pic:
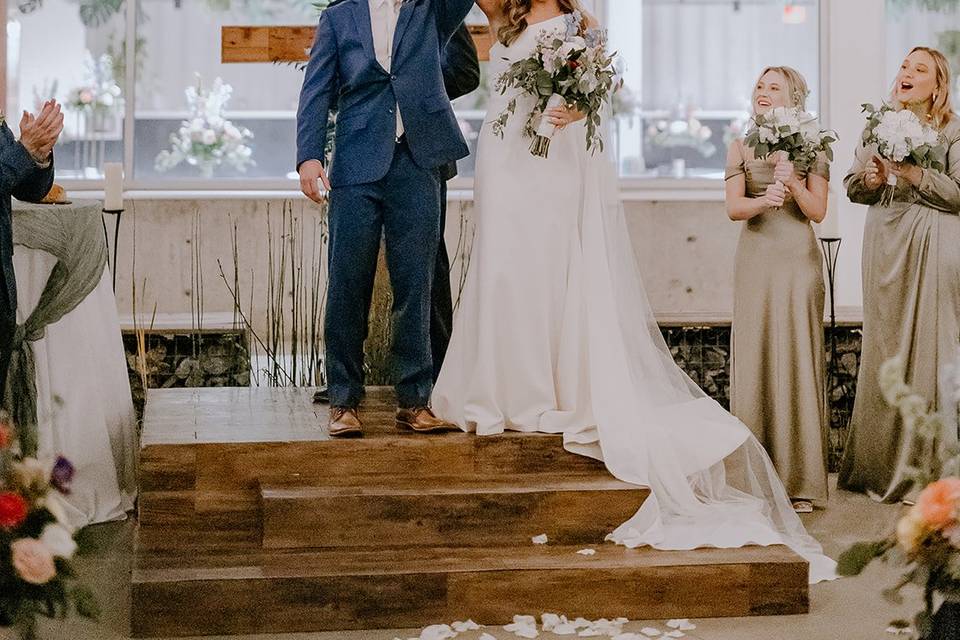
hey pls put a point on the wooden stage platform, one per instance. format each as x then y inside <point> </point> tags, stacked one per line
<point>252,520</point>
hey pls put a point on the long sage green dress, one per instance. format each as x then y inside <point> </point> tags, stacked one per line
<point>911,307</point>
<point>777,362</point>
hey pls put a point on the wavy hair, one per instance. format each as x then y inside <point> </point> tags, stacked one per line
<point>796,85</point>
<point>941,111</point>
<point>515,14</point>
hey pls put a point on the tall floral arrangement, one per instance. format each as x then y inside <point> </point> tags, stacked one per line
<point>37,542</point>
<point>208,140</point>
<point>927,536</point>
<point>99,95</point>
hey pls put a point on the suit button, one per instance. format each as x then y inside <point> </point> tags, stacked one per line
<point>391,110</point>
<point>393,77</point>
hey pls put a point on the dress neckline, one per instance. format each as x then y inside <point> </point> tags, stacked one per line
<point>530,27</point>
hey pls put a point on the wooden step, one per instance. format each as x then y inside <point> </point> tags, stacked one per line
<point>450,512</point>
<point>204,452</point>
<point>276,592</point>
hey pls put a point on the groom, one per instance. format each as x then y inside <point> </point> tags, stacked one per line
<point>378,63</point>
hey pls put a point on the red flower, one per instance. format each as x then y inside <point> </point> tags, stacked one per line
<point>13,510</point>
<point>573,64</point>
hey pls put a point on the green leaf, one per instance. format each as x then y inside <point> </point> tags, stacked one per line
<point>854,560</point>
<point>85,603</point>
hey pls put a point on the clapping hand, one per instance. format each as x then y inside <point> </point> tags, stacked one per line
<point>39,133</point>
<point>775,195</point>
<point>875,173</point>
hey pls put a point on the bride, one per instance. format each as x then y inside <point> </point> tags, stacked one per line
<point>555,334</point>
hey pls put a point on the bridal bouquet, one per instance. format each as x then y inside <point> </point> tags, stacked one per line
<point>927,537</point>
<point>900,136</point>
<point>792,131</point>
<point>36,542</point>
<point>569,66</point>
<point>208,140</point>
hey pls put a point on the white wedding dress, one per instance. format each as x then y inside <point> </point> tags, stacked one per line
<point>554,334</point>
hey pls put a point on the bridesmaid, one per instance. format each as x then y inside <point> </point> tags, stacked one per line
<point>778,356</point>
<point>911,277</point>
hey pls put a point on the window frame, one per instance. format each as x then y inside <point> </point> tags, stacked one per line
<point>632,188</point>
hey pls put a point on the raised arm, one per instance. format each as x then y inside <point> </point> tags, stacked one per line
<point>450,15</point>
<point>318,95</point>
<point>941,190</point>
<point>461,66</point>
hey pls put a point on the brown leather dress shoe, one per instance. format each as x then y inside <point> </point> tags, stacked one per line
<point>344,422</point>
<point>422,420</point>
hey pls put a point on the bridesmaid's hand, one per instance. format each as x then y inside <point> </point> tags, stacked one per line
<point>875,173</point>
<point>908,171</point>
<point>785,173</point>
<point>560,117</point>
<point>775,195</point>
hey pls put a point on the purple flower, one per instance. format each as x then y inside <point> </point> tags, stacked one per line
<point>62,475</point>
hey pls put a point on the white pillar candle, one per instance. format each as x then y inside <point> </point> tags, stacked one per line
<point>830,227</point>
<point>113,186</point>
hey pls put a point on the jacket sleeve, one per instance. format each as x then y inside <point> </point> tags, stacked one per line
<point>450,16</point>
<point>940,190</point>
<point>461,65</point>
<point>35,186</point>
<point>18,168</point>
<point>856,189</point>
<point>318,95</point>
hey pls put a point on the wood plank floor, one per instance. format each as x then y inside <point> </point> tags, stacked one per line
<point>252,519</point>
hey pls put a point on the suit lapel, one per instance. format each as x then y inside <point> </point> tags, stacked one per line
<point>361,15</point>
<point>403,20</point>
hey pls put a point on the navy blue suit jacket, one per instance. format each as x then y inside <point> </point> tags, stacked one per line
<point>23,179</point>
<point>343,73</point>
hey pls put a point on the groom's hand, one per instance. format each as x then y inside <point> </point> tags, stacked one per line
<point>311,174</point>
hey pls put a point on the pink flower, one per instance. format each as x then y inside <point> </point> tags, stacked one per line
<point>33,561</point>
<point>13,510</point>
<point>937,503</point>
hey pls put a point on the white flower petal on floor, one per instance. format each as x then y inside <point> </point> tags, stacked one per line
<point>486,636</point>
<point>438,632</point>
<point>675,634</point>
<point>587,552</point>
<point>564,629</point>
<point>461,627</point>
<point>650,632</point>
<point>540,539</point>
<point>589,632</point>
<point>549,621</point>
<point>681,624</point>
<point>523,626</point>
<point>900,631</point>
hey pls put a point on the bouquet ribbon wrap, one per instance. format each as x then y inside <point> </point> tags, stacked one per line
<point>546,129</point>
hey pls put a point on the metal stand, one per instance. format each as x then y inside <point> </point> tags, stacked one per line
<point>116,234</point>
<point>831,248</point>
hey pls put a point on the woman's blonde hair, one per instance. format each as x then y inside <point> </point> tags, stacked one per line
<point>515,14</point>
<point>941,111</point>
<point>796,85</point>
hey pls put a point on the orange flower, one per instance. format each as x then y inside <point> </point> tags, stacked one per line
<point>6,434</point>
<point>938,503</point>
<point>33,561</point>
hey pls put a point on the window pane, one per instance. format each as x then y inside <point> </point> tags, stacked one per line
<point>56,50</point>
<point>690,69</point>
<point>928,23</point>
<point>179,49</point>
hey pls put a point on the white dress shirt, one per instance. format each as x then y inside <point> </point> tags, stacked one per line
<point>383,23</point>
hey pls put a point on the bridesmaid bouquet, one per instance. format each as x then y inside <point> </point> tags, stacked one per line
<point>792,131</point>
<point>568,67</point>
<point>36,542</point>
<point>927,537</point>
<point>900,136</point>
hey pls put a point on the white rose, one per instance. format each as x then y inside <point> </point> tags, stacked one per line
<point>678,127</point>
<point>55,505</point>
<point>59,541</point>
<point>209,136</point>
<point>578,42</point>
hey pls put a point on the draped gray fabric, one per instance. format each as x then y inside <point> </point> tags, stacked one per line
<point>73,234</point>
